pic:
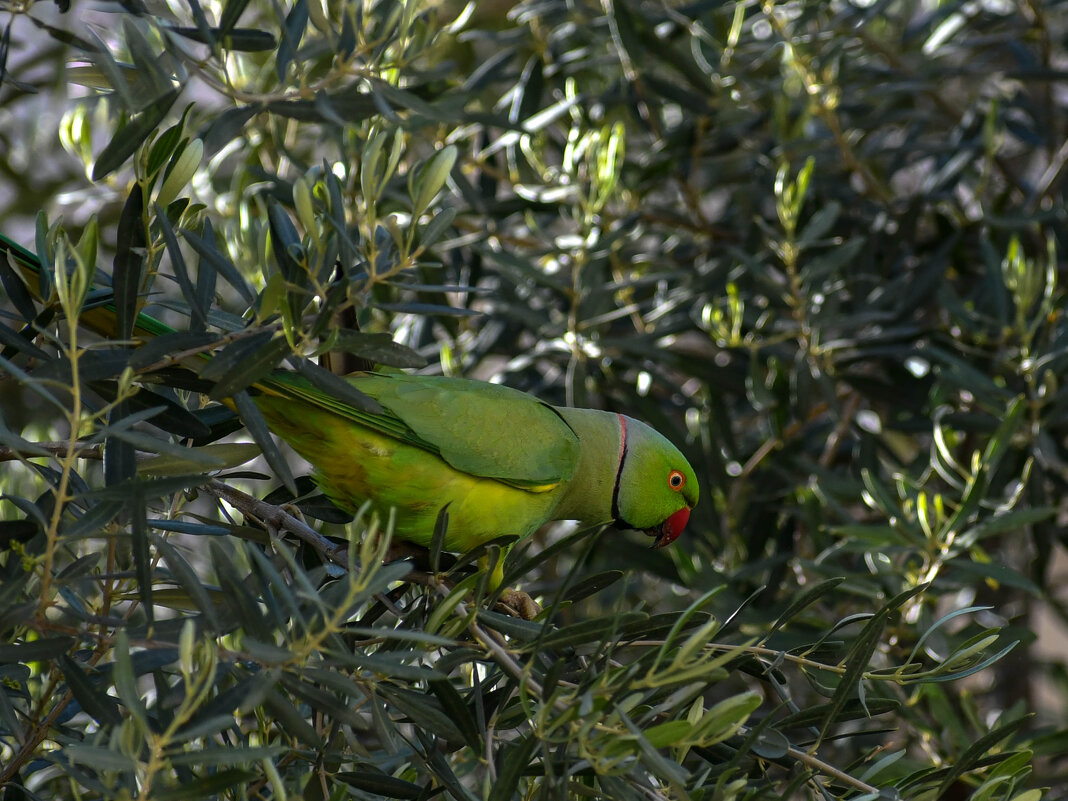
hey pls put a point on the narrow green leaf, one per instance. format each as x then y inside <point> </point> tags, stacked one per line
<point>188,579</point>
<point>978,573</point>
<point>131,241</point>
<point>37,651</point>
<point>427,309</point>
<point>249,40</point>
<point>238,596</point>
<point>429,180</point>
<point>401,635</point>
<point>976,751</point>
<point>290,720</point>
<point>881,764</point>
<point>859,657</point>
<point>961,373</point>
<point>851,710</point>
<point>592,585</point>
<point>254,367</point>
<point>513,760</point>
<point>207,250</point>
<point>232,12</point>
<point>285,241</point>
<point>402,98</point>
<point>437,541</point>
<point>100,758</point>
<point>457,709</point>
<point>181,272</point>
<point>388,663</point>
<point>96,703</point>
<point>151,488</point>
<point>379,348</point>
<point>165,145</point>
<point>803,601</point>
<point>142,553</point>
<point>957,675</point>
<point>128,138</point>
<point>424,711</point>
<point>590,632</point>
<point>292,33</point>
<point>161,348</point>
<point>12,282</point>
<point>184,461</point>
<point>122,673</point>
<point>207,786</point>
<point>659,764</point>
<point>209,725</point>
<point>668,733</point>
<point>21,343</point>
<point>436,228</point>
<point>381,784</point>
<point>337,387</point>
<point>64,36</point>
<point>261,434</point>
<point>1012,520</point>
<point>94,522</point>
<point>441,769</point>
<point>235,354</point>
<point>350,104</point>
<point>224,755</point>
<point>819,224</point>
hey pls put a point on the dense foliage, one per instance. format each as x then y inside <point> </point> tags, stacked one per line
<point>816,244</point>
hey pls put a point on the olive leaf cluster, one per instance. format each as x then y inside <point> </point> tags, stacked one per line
<point>817,245</point>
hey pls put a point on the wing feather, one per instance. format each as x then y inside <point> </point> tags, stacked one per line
<point>478,428</point>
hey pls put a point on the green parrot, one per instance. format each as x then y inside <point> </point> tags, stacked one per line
<point>499,460</point>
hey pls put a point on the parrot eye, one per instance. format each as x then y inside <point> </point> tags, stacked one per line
<point>676,480</point>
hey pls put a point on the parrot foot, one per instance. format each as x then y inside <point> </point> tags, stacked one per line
<point>518,604</point>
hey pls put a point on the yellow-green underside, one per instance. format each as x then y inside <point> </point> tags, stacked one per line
<point>355,464</point>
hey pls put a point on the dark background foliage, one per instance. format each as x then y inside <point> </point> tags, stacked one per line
<point>815,244</point>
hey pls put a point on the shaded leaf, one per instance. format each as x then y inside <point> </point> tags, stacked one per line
<point>130,137</point>
<point>379,348</point>
<point>97,703</point>
<point>381,784</point>
<point>257,427</point>
<point>206,786</point>
<point>129,260</point>
<point>243,39</point>
<point>35,651</point>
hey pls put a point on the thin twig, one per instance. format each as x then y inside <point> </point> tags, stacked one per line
<point>280,519</point>
<point>822,767</point>
<point>9,454</point>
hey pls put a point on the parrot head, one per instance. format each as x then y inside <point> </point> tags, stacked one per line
<point>655,486</point>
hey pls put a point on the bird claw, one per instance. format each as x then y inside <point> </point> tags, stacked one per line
<point>512,602</point>
<point>518,604</point>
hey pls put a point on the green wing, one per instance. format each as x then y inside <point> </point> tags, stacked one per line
<point>478,428</point>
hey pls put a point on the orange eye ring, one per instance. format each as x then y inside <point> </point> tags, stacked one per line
<point>676,480</point>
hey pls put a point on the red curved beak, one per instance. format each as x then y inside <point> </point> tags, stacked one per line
<point>671,528</point>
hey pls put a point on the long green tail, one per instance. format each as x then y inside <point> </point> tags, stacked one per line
<point>100,315</point>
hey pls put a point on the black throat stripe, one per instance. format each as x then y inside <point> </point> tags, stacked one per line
<point>619,465</point>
